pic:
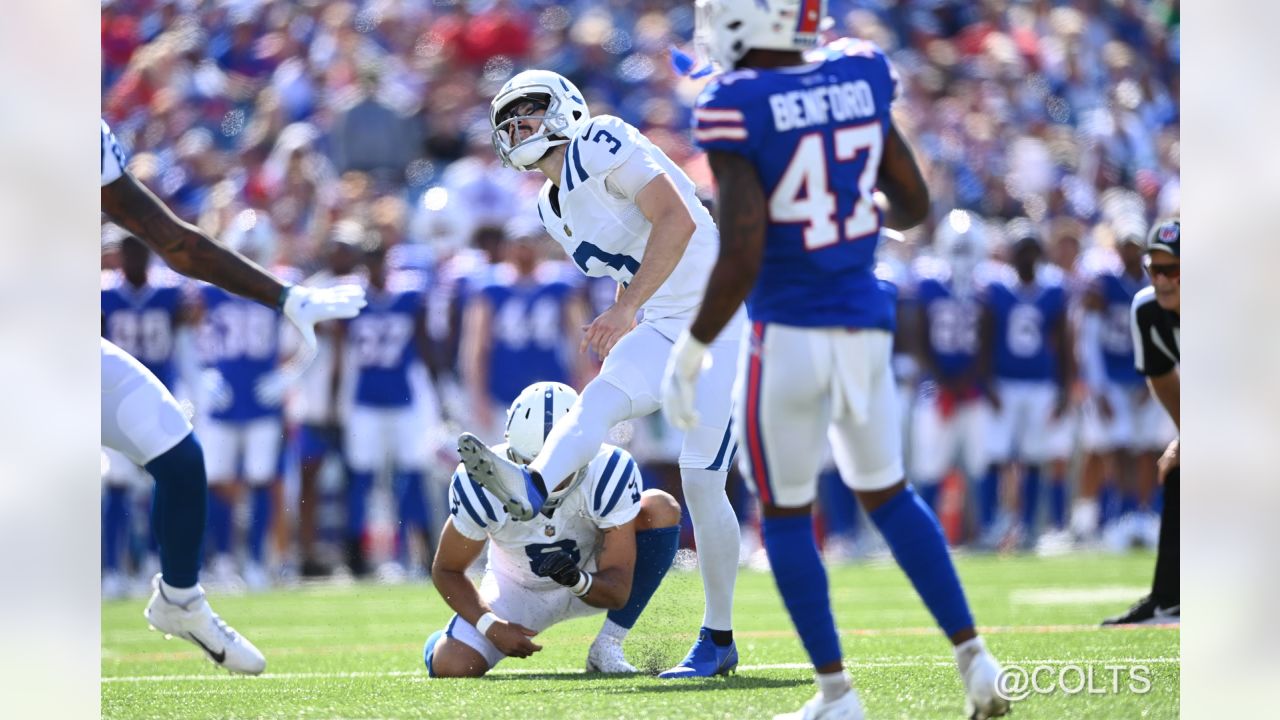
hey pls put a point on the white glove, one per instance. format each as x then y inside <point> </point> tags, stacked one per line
<point>306,306</point>
<point>271,387</point>
<point>214,390</point>
<point>687,361</point>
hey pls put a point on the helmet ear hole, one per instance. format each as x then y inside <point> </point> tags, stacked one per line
<point>577,114</point>
<point>735,25</point>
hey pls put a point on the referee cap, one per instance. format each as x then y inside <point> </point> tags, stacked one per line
<point>1166,236</point>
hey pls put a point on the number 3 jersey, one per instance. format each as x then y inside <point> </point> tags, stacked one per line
<point>815,134</point>
<point>594,216</point>
<point>608,497</point>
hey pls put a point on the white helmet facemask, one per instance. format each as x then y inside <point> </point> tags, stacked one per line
<point>529,421</point>
<point>562,107</point>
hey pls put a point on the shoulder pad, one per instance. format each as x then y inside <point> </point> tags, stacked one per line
<point>111,279</point>
<point>467,499</point>
<point>602,145</point>
<point>616,467</point>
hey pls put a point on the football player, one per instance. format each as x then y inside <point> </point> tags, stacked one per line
<point>621,208</point>
<point>518,327</point>
<point>393,407</point>
<point>606,546</point>
<point>949,420</point>
<point>141,419</point>
<point>1027,365</point>
<point>797,145</point>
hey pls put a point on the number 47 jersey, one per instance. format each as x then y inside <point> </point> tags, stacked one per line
<point>815,133</point>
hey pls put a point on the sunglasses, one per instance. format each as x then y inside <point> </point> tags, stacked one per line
<point>1169,270</point>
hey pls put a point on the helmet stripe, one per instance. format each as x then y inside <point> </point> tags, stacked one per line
<point>810,16</point>
<point>548,411</point>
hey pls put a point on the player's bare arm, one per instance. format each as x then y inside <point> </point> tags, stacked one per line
<point>477,338</point>
<point>611,585</point>
<point>183,246</point>
<point>1061,337</point>
<point>448,573</point>
<point>661,204</point>
<point>902,183</point>
<point>741,202</point>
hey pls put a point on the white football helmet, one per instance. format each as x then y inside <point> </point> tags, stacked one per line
<point>529,421</point>
<point>563,111</point>
<point>726,29</point>
<point>961,240</point>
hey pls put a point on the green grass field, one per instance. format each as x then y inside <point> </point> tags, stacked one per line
<point>356,652</point>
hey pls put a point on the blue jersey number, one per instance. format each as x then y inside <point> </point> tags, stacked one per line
<point>537,551</point>
<point>617,144</point>
<point>623,266</point>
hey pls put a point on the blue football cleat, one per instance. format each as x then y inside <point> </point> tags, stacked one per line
<point>706,659</point>
<point>429,649</point>
<point>512,484</point>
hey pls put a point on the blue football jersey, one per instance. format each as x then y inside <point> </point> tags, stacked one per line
<point>951,319</point>
<point>1025,314</point>
<point>1118,290</point>
<point>381,339</point>
<point>240,339</point>
<point>141,320</point>
<point>527,332</point>
<point>815,134</point>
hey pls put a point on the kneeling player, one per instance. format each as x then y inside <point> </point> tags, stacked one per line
<point>606,547</point>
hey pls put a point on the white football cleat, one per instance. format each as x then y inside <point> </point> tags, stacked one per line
<point>511,483</point>
<point>845,707</point>
<point>980,674</point>
<point>605,656</point>
<point>196,622</point>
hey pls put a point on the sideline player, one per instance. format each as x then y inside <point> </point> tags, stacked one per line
<point>607,546</point>
<point>621,208</point>
<point>141,419</point>
<point>1156,355</point>
<point>797,145</point>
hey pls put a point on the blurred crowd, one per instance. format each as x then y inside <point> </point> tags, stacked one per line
<point>329,136</point>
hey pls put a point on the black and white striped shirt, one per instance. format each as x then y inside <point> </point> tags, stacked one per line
<point>1155,335</point>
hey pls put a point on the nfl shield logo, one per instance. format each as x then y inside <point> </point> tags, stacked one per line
<point>1168,233</point>
<point>549,531</point>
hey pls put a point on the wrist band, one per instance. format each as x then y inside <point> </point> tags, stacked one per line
<point>284,295</point>
<point>485,622</point>
<point>583,586</point>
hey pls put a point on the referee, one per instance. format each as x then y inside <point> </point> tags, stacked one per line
<point>1155,353</point>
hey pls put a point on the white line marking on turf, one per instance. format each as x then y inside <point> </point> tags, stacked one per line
<point>1075,596</point>
<point>853,663</point>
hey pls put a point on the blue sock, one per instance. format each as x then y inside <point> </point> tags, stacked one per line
<point>220,524</point>
<point>929,492</point>
<point>988,498</point>
<point>1128,502</point>
<point>1106,503</point>
<point>839,507</point>
<point>1030,497</point>
<point>916,539</point>
<point>359,484</point>
<point>115,525</point>
<point>802,582</point>
<point>411,506</point>
<point>178,510</point>
<point>655,550</point>
<point>1058,503</point>
<point>259,522</point>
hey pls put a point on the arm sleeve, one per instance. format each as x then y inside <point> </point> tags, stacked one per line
<point>629,178</point>
<point>615,496</point>
<point>475,513</point>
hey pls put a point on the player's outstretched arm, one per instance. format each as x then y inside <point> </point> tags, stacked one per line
<point>448,573</point>
<point>902,183</point>
<point>183,246</point>
<point>741,202</point>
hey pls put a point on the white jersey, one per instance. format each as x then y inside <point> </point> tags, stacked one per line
<point>112,161</point>
<point>594,216</point>
<point>608,497</point>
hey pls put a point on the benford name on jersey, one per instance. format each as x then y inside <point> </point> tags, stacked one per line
<point>841,102</point>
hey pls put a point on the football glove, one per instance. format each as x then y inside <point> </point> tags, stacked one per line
<point>687,361</point>
<point>306,306</point>
<point>559,566</point>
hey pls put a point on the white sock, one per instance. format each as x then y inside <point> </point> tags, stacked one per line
<point>967,650</point>
<point>1084,517</point>
<point>179,596</point>
<point>715,529</point>
<point>834,685</point>
<point>576,437</point>
<point>614,630</point>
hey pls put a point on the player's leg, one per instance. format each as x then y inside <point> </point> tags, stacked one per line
<point>223,444</point>
<point>117,481</point>
<point>933,443</point>
<point>868,450</point>
<point>657,538</point>
<point>365,447</point>
<point>1002,431</point>
<point>705,457</point>
<point>141,419</point>
<point>411,458</point>
<point>313,443</point>
<point>460,650</point>
<point>628,386</point>
<point>261,460</point>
